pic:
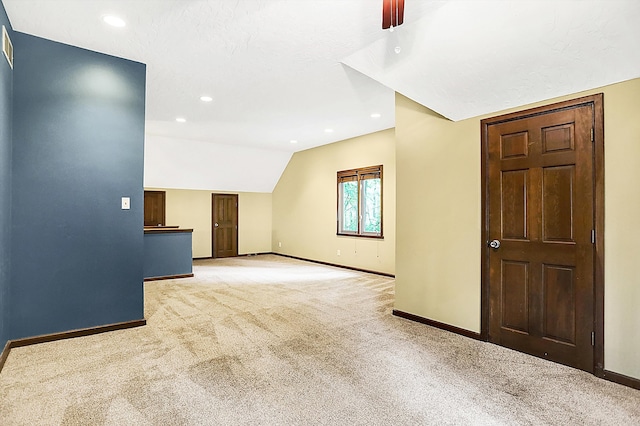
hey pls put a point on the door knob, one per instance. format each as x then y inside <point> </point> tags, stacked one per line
<point>216,225</point>
<point>494,244</point>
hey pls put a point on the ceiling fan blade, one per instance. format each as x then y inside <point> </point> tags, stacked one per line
<point>386,14</point>
<point>399,16</point>
<point>392,13</point>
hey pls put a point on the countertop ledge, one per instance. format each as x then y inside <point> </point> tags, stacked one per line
<point>166,230</point>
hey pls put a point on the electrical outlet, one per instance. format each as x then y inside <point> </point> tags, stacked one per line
<point>279,244</point>
<point>338,252</point>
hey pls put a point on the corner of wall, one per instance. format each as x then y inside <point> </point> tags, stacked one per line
<point>6,119</point>
<point>304,204</point>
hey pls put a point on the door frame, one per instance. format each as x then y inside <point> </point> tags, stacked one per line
<point>596,103</point>
<point>213,221</point>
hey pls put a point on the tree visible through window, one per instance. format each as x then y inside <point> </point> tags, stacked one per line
<point>360,202</point>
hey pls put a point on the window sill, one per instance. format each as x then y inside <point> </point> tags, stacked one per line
<point>375,237</point>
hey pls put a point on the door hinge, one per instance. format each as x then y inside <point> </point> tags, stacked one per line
<point>592,134</point>
<point>593,236</point>
<point>593,338</point>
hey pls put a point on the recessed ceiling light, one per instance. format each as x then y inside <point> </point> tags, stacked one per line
<point>375,115</point>
<point>293,141</point>
<point>114,21</point>
<point>181,120</point>
<point>328,130</point>
<point>206,98</point>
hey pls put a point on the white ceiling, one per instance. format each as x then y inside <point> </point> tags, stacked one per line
<point>282,70</point>
<point>469,58</point>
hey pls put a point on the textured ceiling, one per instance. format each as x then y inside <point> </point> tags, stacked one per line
<point>469,58</point>
<point>272,67</point>
<point>282,70</point>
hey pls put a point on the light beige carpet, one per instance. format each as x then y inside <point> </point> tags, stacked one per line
<point>268,340</point>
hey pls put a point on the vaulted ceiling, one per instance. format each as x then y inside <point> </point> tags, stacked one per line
<point>286,70</point>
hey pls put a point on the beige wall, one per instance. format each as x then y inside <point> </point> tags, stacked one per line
<point>304,204</point>
<point>438,216</point>
<point>622,228</point>
<point>254,222</point>
<point>439,229</point>
<point>192,209</point>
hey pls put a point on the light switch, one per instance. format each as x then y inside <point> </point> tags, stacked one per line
<point>126,203</point>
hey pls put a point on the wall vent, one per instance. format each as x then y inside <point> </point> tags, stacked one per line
<point>7,46</point>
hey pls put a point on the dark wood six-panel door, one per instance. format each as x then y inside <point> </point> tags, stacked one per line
<point>224,225</point>
<point>540,183</point>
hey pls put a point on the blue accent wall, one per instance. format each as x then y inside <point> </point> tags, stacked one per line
<point>78,140</point>
<point>167,254</point>
<point>6,96</point>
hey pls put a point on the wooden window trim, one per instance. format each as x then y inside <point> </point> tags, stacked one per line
<point>360,175</point>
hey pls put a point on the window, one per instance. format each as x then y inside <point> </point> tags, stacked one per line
<point>360,202</point>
